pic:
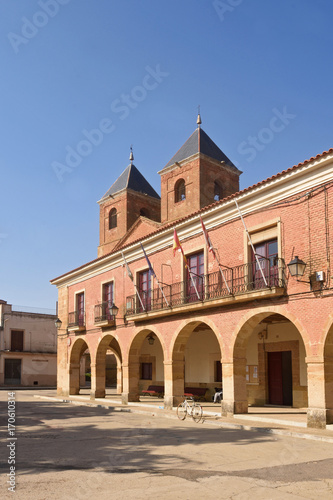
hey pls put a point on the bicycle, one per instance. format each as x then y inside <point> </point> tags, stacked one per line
<point>194,409</point>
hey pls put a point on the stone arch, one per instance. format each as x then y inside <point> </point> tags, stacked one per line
<point>252,319</point>
<point>135,358</point>
<point>178,349</point>
<point>236,376</point>
<point>110,342</point>
<point>185,329</point>
<point>327,356</point>
<point>79,346</point>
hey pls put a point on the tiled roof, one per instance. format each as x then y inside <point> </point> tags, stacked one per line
<point>131,178</point>
<point>202,210</point>
<point>199,142</point>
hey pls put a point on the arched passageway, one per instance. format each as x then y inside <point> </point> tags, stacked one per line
<point>196,362</point>
<point>79,366</point>
<point>145,364</point>
<point>328,377</point>
<point>269,366</point>
<point>107,367</point>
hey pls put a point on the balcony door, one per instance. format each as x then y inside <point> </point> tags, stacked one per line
<point>195,277</point>
<point>144,290</point>
<point>107,300</point>
<point>267,253</point>
<point>80,308</point>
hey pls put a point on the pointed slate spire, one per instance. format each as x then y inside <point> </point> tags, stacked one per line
<point>200,142</point>
<point>131,178</point>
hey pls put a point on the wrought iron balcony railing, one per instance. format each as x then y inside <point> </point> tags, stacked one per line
<point>103,313</point>
<point>76,319</point>
<point>226,282</point>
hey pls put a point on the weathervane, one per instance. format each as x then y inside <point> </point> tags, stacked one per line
<point>131,155</point>
<point>199,117</point>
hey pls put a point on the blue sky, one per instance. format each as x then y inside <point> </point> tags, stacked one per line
<point>137,70</point>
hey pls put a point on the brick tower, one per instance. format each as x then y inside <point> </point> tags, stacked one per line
<point>196,176</point>
<point>130,197</point>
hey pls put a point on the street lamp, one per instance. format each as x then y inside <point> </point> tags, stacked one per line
<point>58,323</point>
<point>151,339</point>
<point>113,310</point>
<point>296,267</point>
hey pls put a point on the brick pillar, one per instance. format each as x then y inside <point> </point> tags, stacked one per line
<point>97,380</point>
<point>316,414</point>
<point>62,345</point>
<point>124,394</point>
<point>74,375</point>
<point>234,387</point>
<point>178,380</point>
<point>119,378</point>
<point>62,364</point>
<point>168,385</point>
<point>131,376</point>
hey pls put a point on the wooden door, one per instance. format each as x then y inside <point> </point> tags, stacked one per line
<point>279,378</point>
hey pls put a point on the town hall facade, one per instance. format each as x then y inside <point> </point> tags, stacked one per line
<point>247,307</point>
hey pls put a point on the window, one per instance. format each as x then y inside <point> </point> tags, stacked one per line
<point>217,191</point>
<point>112,218</point>
<point>144,289</point>
<point>16,341</point>
<point>144,212</point>
<point>195,277</point>
<point>146,371</point>
<point>267,253</point>
<point>180,190</point>
<point>107,300</point>
<point>80,309</point>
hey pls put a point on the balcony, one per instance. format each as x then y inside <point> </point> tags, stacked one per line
<point>103,315</point>
<point>76,321</point>
<point>226,286</point>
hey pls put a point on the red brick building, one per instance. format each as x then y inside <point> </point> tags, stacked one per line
<point>234,316</point>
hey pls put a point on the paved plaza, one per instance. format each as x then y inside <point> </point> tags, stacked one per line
<point>66,451</point>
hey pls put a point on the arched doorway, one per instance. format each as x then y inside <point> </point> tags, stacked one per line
<point>145,364</point>
<point>79,366</point>
<point>107,369</point>
<point>328,375</point>
<point>269,366</point>
<point>196,362</point>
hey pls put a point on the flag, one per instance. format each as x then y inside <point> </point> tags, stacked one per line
<point>176,243</point>
<point>129,273</point>
<point>177,246</point>
<point>207,238</point>
<point>151,270</point>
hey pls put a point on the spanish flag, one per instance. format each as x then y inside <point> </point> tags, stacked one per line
<point>177,246</point>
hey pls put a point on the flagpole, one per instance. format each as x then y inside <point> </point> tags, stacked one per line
<point>221,271</point>
<point>154,274</point>
<point>250,241</point>
<point>190,272</point>
<point>130,275</point>
<point>214,252</point>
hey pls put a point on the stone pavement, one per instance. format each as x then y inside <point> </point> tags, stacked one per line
<point>273,420</point>
<point>97,449</point>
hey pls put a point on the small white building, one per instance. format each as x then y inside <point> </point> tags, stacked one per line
<point>28,347</point>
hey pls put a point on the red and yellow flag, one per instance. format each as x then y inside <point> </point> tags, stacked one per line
<point>177,246</point>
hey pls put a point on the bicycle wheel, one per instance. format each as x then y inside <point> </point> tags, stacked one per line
<point>181,411</point>
<point>196,412</point>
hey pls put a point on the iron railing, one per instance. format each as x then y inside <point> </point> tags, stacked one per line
<point>223,283</point>
<point>76,318</point>
<point>102,312</point>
